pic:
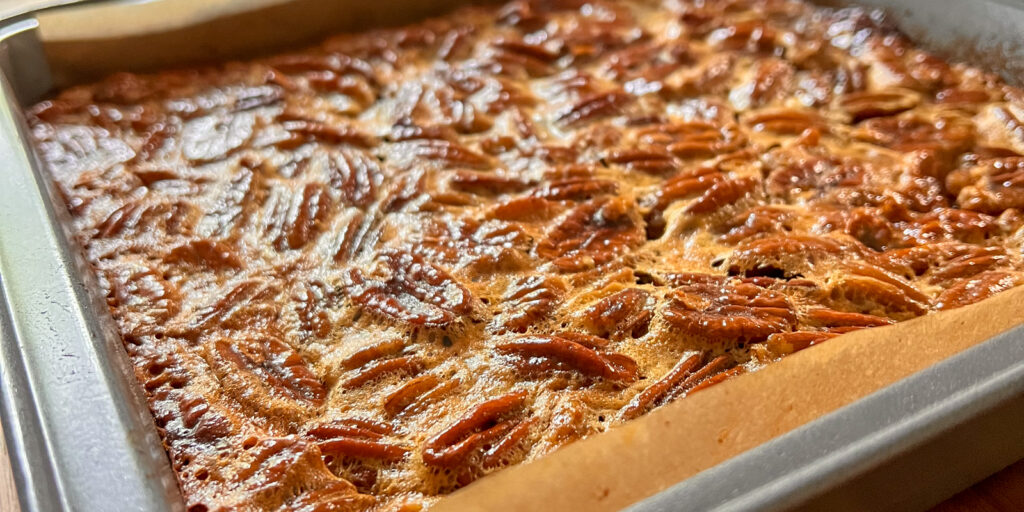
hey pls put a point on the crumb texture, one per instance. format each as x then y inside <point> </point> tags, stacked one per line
<point>363,275</point>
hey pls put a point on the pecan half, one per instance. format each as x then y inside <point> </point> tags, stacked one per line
<point>596,106</point>
<point>871,289</point>
<point>792,254</point>
<point>977,289</point>
<point>480,425</point>
<point>273,362</point>
<point>722,193</point>
<point>680,380</point>
<point>624,313</point>
<point>300,217</point>
<point>530,299</point>
<point>357,438</point>
<point>547,353</point>
<point>591,234</point>
<point>357,176</point>
<point>990,187</point>
<point>729,314</point>
<point>411,291</point>
<point>404,396</point>
<point>868,104</point>
<point>372,371</point>
<point>575,189</point>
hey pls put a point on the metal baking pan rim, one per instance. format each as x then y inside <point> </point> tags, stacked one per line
<point>77,425</point>
<point>981,382</point>
<point>921,412</point>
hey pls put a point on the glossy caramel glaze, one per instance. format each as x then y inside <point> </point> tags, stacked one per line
<point>366,274</point>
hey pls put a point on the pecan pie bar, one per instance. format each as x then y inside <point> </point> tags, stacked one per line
<point>364,275</point>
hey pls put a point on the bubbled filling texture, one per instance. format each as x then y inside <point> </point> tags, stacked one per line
<point>363,275</point>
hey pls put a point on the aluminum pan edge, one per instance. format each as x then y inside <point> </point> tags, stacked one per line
<point>928,415</point>
<point>52,339</point>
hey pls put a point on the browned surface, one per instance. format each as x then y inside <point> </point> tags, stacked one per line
<point>1002,492</point>
<point>420,276</point>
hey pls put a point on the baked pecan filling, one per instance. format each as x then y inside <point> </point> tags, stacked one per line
<point>366,274</point>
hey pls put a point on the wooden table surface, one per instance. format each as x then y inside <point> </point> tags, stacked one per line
<point>8,497</point>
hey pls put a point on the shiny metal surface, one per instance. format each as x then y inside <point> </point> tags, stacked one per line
<point>905,447</point>
<point>79,431</point>
<point>14,8</point>
<point>81,436</point>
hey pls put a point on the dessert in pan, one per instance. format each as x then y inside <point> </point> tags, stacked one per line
<point>363,275</point>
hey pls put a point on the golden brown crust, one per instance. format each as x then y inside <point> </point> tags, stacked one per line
<point>364,275</point>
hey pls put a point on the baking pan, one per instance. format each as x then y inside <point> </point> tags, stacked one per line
<point>81,436</point>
